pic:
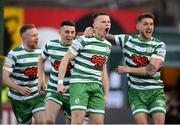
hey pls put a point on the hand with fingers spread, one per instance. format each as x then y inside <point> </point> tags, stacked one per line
<point>25,90</point>
<point>89,31</point>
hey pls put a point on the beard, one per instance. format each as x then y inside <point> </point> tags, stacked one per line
<point>145,36</point>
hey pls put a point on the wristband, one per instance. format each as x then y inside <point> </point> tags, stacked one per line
<point>60,82</point>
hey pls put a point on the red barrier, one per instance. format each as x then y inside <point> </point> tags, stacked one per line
<point>8,116</point>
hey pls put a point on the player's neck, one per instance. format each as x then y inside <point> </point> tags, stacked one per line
<point>143,39</point>
<point>65,43</point>
<point>99,37</point>
<point>27,48</point>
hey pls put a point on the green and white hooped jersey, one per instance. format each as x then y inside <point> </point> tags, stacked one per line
<point>56,51</point>
<point>138,53</point>
<point>90,56</point>
<point>23,67</point>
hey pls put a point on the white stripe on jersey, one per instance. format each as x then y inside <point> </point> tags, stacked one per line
<point>139,87</point>
<point>92,71</point>
<point>16,97</point>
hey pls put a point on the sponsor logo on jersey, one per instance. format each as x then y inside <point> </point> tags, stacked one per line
<point>99,61</point>
<point>149,50</point>
<point>31,72</point>
<point>140,60</point>
<point>68,70</point>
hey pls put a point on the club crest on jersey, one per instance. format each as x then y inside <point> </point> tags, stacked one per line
<point>160,102</point>
<point>48,94</point>
<point>77,101</point>
<point>132,106</point>
<point>19,119</point>
<point>108,50</point>
<point>161,52</point>
<point>149,50</point>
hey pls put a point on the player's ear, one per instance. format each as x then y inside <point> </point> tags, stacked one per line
<point>137,26</point>
<point>60,30</point>
<point>94,25</point>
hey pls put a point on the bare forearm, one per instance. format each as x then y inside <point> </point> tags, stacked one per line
<point>8,82</point>
<point>106,88</point>
<point>105,81</point>
<point>41,74</point>
<point>62,68</point>
<point>41,70</point>
<point>137,71</point>
<point>64,63</point>
<point>148,70</point>
<point>11,85</point>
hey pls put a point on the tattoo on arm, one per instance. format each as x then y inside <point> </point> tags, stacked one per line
<point>150,69</point>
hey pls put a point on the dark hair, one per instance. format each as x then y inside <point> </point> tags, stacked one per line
<point>26,27</point>
<point>68,23</point>
<point>95,15</point>
<point>145,15</point>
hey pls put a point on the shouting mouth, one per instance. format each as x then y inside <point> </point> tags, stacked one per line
<point>148,31</point>
<point>107,30</point>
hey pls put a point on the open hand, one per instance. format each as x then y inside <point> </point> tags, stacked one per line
<point>25,90</point>
<point>89,31</point>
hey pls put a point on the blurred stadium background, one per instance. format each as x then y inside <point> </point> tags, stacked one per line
<point>48,14</point>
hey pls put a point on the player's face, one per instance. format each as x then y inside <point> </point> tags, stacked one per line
<point>67,34</point>
<point>30,37</point>
<point>102,25</point>
<point>145,27</point>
